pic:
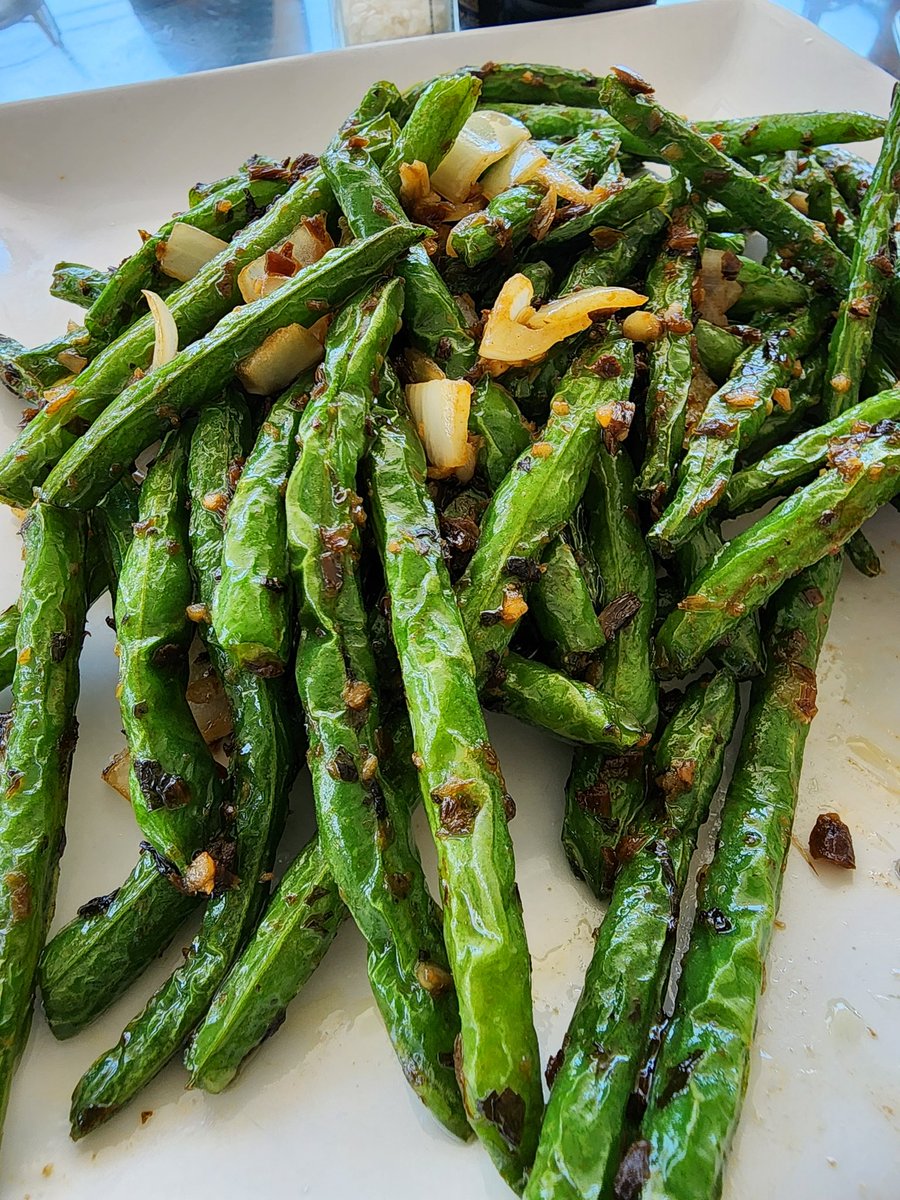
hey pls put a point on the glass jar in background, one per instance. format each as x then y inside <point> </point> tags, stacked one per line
<point>361,21</point>
<point>473,13</point>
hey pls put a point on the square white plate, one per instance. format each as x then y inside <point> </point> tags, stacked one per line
<point>322,1110</point>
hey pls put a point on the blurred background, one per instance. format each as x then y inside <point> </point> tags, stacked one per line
<point>49,47</point>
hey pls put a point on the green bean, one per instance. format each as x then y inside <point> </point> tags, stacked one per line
<point>153,404</point>
<point>603,794</point>
<point>252,610</point>
<point>863,473</point>
<point>731,419</point>
<point>538,496</point>
<point>464,797</point>
<point>40,741</point>
<point>701,1070</point>
<point>592,1092</point>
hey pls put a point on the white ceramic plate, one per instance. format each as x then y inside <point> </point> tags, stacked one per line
<point>322,1110</point>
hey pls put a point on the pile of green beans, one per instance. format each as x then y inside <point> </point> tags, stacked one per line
<point>354,596</point>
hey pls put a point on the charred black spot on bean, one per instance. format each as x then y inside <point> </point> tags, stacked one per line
<point>332,569</point>
<point>524,464</point>
<point>715,919</point>
<point>633,1172</point>
<point>399,884</point>
<point>59,645</point>
<point>619,613</point>
<point>97,906</point>
<point>526,569</point>
<point>140,709</point>
<point>315,895</point>
<point>271,584</point>
<point>489,617</point>
<point>506,1111</point>
<point>554,1062</point>
<point>343,766</point>
<point>163,865</point>
<point>160,788</point>
<point>170,654</point>
<point>679,1077</point>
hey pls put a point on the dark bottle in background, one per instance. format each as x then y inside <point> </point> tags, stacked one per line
<point>473,13</point>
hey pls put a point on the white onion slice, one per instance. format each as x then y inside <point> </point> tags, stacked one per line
<point>718,293</point>
<point>568,187</point>
<point>440,410</point>
<point>186,250</point>
<point>308,242</point>
<point>165,345</point>
<point>516,333</point>
<point>484,139</point>
<point>520,165</point>
<point>279,360</point>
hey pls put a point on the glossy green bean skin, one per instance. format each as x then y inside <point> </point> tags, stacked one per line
<point>604,793</point>
<point>152,405</point>
<point>175,789</point>
<point>77,283</point>
<point>500,228</point>
<point>589,156</point>
<point>566,121</point>
<point>766,289</point>
<point>463,793</point>
<point>298,926</point>
<point>495,418</point>
<point>806,399</point>
<point>617,263</point>
<point>669,287</point>
<point>363,822</point>
<point>871,275</point>
<point>534,83</point>
<point>588,1111</point>
<point>538,496</point>
<point>28,372</point>
<point>798,460</point>
<point>40,742</point>
<point>715,175</point>
<point>431,128</point>
<point>852,175</point>
<point>738,137</point>
<point>433,320</point>
<point>730,421</point>
<point>826,204</point>
<point>634,198</point>
<point>863,555</point>
<point>718,349</point>
<point>252,611</point>
<point>863,473</point>
<point>196,307</point>
<point>568,708</point>
<point>9,624</point>
<point>701,1072</point>
<point>89,963</point>
<point>261,773</point>
<point>740,650</point>
<point>563,609</point>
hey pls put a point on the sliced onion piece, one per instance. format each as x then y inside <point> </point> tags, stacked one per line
<point>484,139</point>
<point>186,250</point>
<point>516,333</point>
<point>584,303</point>
<point>718,292</point>
<point>440,410</point>
<point>165,345</point>
<point>568,188</point>
<point>279,360</point>
<point>117,773</point>
<point>305,245</point>
<point>519,166</point>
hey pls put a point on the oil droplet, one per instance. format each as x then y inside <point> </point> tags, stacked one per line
<point>884,767</point>
<point>843,1021</point>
